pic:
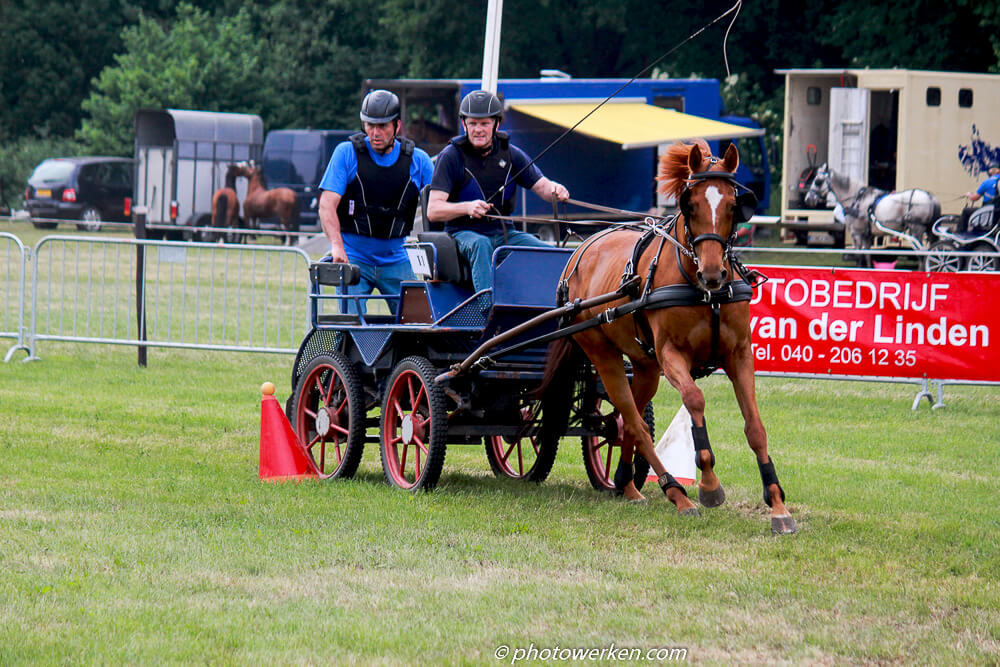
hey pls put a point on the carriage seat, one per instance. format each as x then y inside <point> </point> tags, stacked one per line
<point>449,264</point>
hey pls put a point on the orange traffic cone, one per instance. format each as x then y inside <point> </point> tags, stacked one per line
<point>281,455</point>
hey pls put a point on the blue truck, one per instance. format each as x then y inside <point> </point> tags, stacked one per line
<point>610,159</point>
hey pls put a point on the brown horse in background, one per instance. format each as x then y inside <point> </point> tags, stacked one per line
<point>226,204</point>
<point>264,203</point>
<point>683,341</point>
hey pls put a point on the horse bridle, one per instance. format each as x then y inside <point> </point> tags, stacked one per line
<point>823,179</point>
<point>746,203</point>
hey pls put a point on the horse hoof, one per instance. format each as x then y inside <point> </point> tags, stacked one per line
<point>783,525</point>
<point>641,500</point>
<point>690,511</point>
<point>712,498</point>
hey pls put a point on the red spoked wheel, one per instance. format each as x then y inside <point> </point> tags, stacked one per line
<point>329,415</point>
<point>601,453</point>
<point>529,455</point>
<point>414,426</point>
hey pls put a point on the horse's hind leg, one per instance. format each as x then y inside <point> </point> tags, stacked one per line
<point>609,366</point>
<point>741,375</point>
<point>645,381</point>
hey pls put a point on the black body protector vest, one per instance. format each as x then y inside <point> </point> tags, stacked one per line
<point>484,176</point>
<point>380,202</point>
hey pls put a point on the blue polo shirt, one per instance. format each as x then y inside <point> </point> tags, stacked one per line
<point>343,168</point>
<point>988,188</point>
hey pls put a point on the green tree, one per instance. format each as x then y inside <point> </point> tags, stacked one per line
<point>195,62</point>
<point>944,35</point>
<point>50,51</point>
<point>317,57</point>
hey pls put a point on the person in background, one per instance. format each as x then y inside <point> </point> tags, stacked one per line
<point>471,180</point>
<point>370,192</point>
<point>987,190</point>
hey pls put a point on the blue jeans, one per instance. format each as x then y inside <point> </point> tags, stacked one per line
<point>478,249</point>
<point>385,278</point>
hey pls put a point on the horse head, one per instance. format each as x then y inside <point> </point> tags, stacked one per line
<point>819,189</point>
<point>711,203</point>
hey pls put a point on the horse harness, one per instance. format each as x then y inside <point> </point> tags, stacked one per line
<point>688,293</point>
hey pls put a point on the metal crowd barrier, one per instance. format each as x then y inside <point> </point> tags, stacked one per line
<point>12,293</point>
<point>168,294</point>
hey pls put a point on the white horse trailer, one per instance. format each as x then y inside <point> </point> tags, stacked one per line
<point>181,160</point>
<point>893,129</point>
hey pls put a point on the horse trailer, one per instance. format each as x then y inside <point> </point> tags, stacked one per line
<point>181,160</point>
<point>893,129</point>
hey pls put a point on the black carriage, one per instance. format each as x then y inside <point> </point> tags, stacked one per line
<point>358,373</point>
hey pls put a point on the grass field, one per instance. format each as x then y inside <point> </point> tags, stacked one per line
<point>133,529</point>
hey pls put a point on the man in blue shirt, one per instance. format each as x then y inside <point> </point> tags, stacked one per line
<point>987,189</point>
<point>471,180</point>
<point>369,198</point>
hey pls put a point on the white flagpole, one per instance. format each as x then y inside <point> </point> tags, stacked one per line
<point>491,49</point>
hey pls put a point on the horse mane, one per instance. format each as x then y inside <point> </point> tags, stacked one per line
<point>260,175</point>
<point>674,170</point>
<point>231,174</point>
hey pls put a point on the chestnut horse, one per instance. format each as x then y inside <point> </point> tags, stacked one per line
<point>693,323</point>
<point>225,203</point>
<point>264,203</point>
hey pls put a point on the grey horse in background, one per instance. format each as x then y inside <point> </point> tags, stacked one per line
<point>908,213</point>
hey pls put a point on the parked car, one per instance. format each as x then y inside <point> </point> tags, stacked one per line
<point>88,189</point>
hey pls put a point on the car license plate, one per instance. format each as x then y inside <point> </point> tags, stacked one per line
<point>43,194</point>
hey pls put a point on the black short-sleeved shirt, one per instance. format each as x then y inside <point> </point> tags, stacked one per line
<point>460,173</point>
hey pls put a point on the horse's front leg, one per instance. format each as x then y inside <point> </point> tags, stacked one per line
<point>678,373</point>
<point>740,373</point>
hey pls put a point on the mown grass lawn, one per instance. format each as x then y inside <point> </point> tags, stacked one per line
<point>133,529</point>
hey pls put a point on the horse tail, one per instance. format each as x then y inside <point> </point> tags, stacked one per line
<point>561,360</point>
<point>221,208</point>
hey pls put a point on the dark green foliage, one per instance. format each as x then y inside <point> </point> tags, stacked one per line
<point>84,66</point>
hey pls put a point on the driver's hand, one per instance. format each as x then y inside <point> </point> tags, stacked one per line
<point>478,208</point>
<point>338,255</point>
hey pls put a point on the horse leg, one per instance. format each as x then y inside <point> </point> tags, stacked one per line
<point>645,381</point>
<point>608,363</point>
<point>742,377</point>
<point>675,369</point>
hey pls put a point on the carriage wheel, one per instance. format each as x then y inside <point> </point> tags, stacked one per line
<point>530,454</point>
<point>941,258</point>
<point>982,263</point>
<point>414,426</point>
<point>328,412</point>
<point>601,453</point>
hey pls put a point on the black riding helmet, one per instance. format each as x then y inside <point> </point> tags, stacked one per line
<point>380,106</point>
<point>481,104</point>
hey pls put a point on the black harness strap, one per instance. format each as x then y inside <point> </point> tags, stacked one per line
<point>665,296</point>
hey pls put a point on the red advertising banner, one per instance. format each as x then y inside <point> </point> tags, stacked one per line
<point>877,323</point>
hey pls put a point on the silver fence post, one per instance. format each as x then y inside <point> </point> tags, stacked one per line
<point>139,227</point>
